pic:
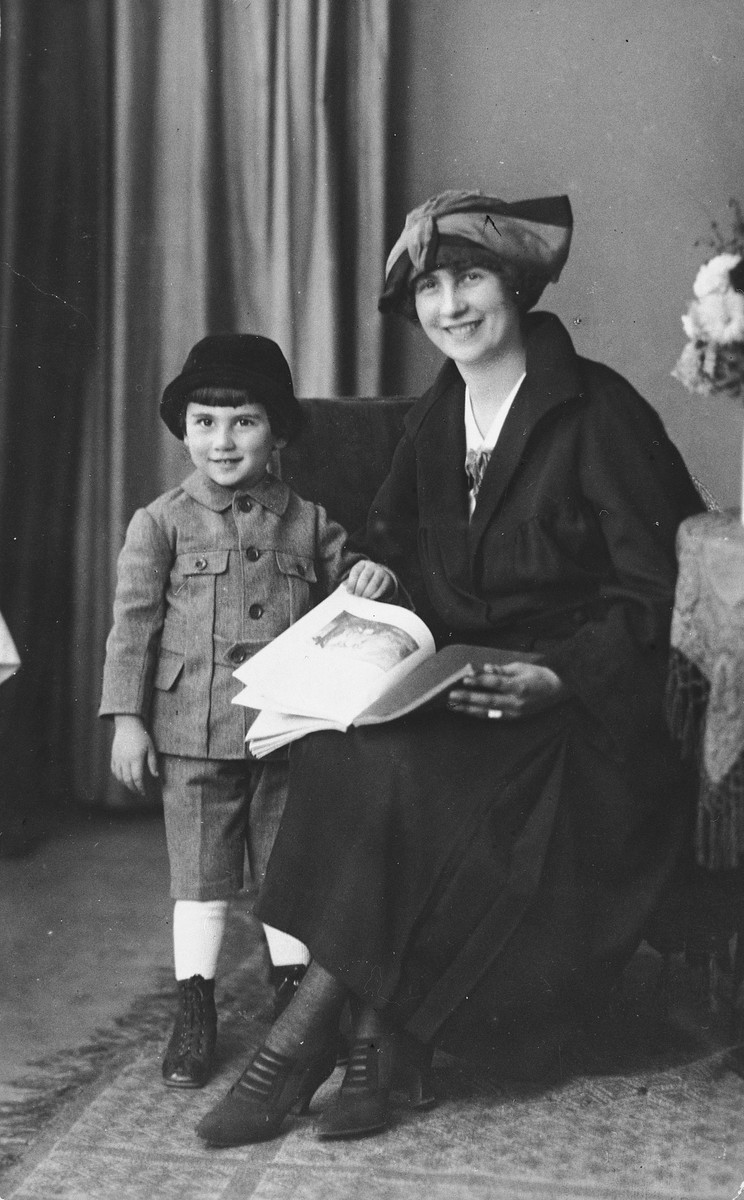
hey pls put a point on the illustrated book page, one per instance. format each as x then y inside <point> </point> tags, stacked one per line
<point>336,660</point>
<point>351,662</point>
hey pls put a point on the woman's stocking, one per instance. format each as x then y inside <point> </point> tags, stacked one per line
<point>311,1019</point>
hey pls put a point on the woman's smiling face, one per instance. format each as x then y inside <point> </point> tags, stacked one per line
<point>468,313</point>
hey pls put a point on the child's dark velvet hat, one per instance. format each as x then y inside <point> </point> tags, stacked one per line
<point>245,361</point>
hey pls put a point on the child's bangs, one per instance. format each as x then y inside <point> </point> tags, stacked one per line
<point>218,396</point>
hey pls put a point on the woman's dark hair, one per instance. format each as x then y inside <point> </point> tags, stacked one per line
<point>526,286</point>
<point>283,424</point>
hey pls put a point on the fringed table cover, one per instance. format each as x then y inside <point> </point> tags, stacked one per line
<point>705,691</point>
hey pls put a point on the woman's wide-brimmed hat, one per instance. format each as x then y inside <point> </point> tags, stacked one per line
<point>244,361</point>
<point>529,237</point>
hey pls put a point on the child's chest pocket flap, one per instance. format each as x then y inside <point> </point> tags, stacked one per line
<point>296,565</point>
<point>204,562</point>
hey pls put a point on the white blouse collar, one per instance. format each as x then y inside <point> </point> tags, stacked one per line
<point>474,439</point>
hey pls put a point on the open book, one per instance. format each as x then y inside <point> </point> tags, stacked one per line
<point>350,661</point>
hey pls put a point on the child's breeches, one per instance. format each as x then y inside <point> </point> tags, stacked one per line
<point>214,811</point>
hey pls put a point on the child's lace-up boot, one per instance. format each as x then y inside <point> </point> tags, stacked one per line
<point>188,1059</point>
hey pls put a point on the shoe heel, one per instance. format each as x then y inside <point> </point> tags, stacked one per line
<point>413,1075</point>
<point>419,1088</point>
<point>302,1105</point>
<point>322,1071</point>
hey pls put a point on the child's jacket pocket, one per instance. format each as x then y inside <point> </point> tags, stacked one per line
<point>170,665</point>
<point>203,562</point>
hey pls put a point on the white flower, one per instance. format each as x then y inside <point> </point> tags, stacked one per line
<point>720,316</point>
<point>691,323</point>
<point>712,362</point>
<point>688,370</point>
<point>713,276</point>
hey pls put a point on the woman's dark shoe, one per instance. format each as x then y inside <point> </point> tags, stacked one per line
<point>285,982</point>
<point>190,1053</point>
<point>361,1106</point>
<point>271,1086</point>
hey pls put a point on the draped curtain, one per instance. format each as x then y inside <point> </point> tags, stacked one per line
<point>194,166</point>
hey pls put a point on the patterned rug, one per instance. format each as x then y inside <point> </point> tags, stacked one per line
<point>53,1083</point>
<point>643,1110</point>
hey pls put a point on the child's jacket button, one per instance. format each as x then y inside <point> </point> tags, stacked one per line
<point>237,654</point>
<point>252,554</point>
<point>200,564</point>
<point>244,504</point>
<point>255,611</point>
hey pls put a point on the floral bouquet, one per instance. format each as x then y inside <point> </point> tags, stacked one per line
<point>713,359</point>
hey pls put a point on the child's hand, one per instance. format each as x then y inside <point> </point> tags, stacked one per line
<point>370,580</point>
<point>132,748</point>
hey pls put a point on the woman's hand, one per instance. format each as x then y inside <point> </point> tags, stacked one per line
<point>370,580</point>
<point>515,690</point>
<point>133,748</point>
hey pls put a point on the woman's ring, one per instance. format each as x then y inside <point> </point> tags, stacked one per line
<point>494,714</point>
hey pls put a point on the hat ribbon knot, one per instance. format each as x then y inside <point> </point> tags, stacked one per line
<point>419,239</point>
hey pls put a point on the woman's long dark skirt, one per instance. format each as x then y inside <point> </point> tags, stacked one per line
<point>440,859</point>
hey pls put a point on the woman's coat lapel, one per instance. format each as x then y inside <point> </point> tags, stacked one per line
<point>552,378</point>
<point>437,425</point>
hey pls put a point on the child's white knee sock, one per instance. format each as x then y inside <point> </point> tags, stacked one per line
<point>198,930</point>
<point>285,951</point>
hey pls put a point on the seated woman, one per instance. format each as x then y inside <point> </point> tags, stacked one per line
<point>500,856</point>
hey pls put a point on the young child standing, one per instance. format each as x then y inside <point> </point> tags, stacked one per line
<point>209,573</point>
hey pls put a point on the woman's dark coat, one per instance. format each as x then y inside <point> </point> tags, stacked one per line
<point>468,864</point>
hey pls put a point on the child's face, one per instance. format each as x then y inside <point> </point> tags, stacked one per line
<point>232,446</point>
